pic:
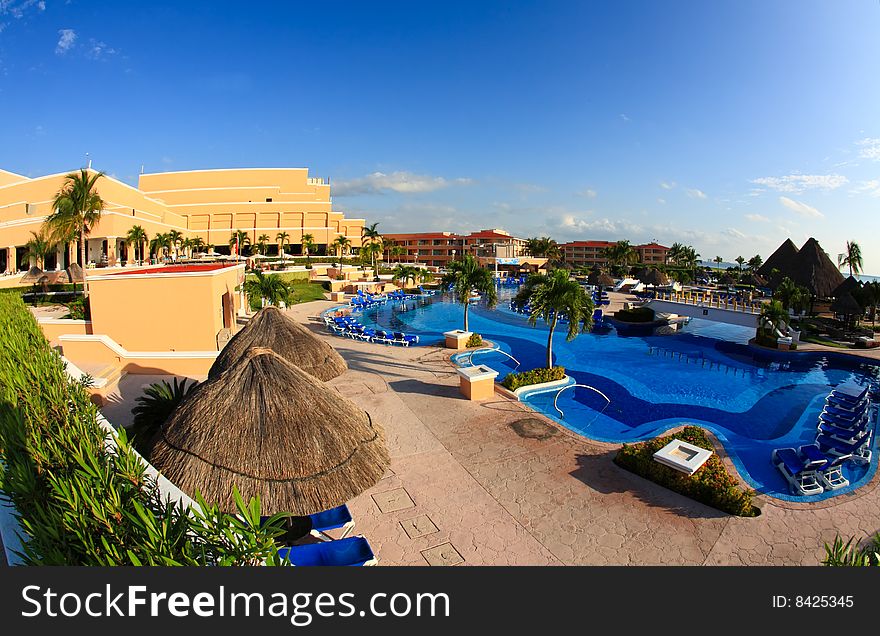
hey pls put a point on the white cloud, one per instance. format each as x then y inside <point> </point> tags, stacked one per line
<point>696,194</point>
<point>529,188</point>
<point>800,182</point>
<point>871,188</point>
<point>18,9</point>
<point>624,117</point>
<point>667,185</point>
<point>661,200</point>
<point>99,50</point>
<point>401,181</point>
<point>588,193</point>
<point>758,218</point>
<point>800,208</point>
<point>869,148</point>
<point>66,40</point>
<point>734,233</point>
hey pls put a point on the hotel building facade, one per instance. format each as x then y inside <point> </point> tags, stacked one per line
<point>591,253</point>
<point>208,204</point>
<point>439,248</point>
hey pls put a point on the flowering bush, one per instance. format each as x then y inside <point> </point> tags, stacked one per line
<point>711,484</point>
<point>476,340</point>
<point>514,381</point>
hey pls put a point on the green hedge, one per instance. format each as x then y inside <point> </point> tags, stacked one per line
<point>476,340</point>
<point>711,484</point>
<point>514,381</point>
<point>638,314</point>
<point>79,504</point>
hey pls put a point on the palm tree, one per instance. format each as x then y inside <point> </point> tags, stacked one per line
<point>262,242</point>
<point>39,247</point>
<point>787,293</point>
<point>467,276</point>
<point>136,237</point>
<point>370,252</point>
<point>198,244</point>
<point>620,254</point>
<point>341,243</point>
<point>152,409</point>
<point>398,251</point>
<point>271,288</point>
<point>175,237</point>
<point>159,244</point>
<point>739,261</point>
<point>773,316</point>
<point>718,260</point>
<point>308,244</point>
<point>406,273</point>
<point>240,239</point>
<point>553,295</point>
<point>282,238</point>
<point>755,262</point>
<point>371,234</point>
<point>77,209</point>
<point>853,258</point>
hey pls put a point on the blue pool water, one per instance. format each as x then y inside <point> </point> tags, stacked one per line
<point>704,374</point>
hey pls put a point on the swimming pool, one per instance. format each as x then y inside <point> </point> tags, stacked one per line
<point>705,374</point>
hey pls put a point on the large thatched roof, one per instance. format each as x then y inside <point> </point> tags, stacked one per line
<point>782,259</point>
<point>271,328</point>
<point>848,286</point>
<point>847,305</point>
<point>273,431</point>
<point>75,273</point>
<point>814,270</point>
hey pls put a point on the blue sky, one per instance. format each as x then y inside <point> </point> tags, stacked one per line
<point>725,125</point>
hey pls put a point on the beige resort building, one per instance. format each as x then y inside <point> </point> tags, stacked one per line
<point>209,204</point>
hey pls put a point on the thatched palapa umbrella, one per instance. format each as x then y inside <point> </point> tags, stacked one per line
<point>273,431</point>
<point>847,305</point>
<point>271,328</point>
<point>754,280</point>
<point>600,278</point>
<point>814,270</point>
<point>782,259</point>
<point>846,287</point>
<point>33,275</point>
<point>653,277</point>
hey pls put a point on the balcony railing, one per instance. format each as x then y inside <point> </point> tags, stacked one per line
<point>712,301</point>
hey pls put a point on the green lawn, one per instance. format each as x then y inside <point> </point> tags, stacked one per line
<point>307,292</point>
<point>822,341</point>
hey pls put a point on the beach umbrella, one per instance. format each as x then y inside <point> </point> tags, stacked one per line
<point>847,305</point>
<point>653,277</point>
<point>75,273</point>
<point>272,430</point>
<point>33,275</point>
<point>271,328</point>
<point>848,286</point>
<point>754,280</point>
<point>600,278</point>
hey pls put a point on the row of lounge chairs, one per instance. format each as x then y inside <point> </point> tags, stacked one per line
<point>600,299</point>
<point>511,281</point>
<point>844,433</point>
<point>350,328</point>
<point>341,551</point>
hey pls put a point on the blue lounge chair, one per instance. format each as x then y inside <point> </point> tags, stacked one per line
<point>842,422</point>
<point>407,340</point>
<point>850,391</point>
<point>845,435</point>
<point>351,551</point>
<point>799,471</point>
<point>859,450</point>
<point>843,415</point>
<point>831,475</point>
<point>836,401</point>
<point>333,519</point>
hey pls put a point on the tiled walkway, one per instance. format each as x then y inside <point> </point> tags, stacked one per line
<point>464,486</point>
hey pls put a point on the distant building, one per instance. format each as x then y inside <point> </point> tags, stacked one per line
<point>591,253</point>
<point>439,248</point>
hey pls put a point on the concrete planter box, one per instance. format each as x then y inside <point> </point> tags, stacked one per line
<point>541,387</point>
<point>682,456</point>
<point>457,339</point>
<point>477,383</point>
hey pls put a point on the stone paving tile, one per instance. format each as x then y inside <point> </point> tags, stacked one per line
<point>418,526</point>
<point>393,500</point>
<point>443,554</point>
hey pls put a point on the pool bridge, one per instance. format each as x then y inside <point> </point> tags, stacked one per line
<point>731,312</point>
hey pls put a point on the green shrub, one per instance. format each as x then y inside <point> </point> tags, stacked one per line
<point>476,340</point>
<point>711,484</point>
<point>80,309</point>
<point>158,402</point>
<point>637,314</point>
<point>513,381</point>
<point>79,503</point>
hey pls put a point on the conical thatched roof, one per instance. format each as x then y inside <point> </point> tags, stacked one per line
<point>653,277</point>
<point>814,270</point>
<point>33,275</point>
<point>271,328</point>
<point>754,280</point>
<point>273,431</point>
<point>846,287</point>
<point>847,305</point>
<point>782,259</point>
<point>727,279</point>
<point>75,273</point>
<point>600,278</point>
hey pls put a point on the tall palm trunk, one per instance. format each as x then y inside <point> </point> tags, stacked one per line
<point>467,305</point>
<point>550,342</point>
<point>82,255</point>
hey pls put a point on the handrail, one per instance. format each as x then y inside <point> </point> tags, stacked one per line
<point>585,386</point>
<point>470,355</point>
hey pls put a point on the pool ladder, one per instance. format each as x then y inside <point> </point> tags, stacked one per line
<point>492,350</point>
<point>583,386</point>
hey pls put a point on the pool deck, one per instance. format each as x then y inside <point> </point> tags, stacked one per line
<point>469,488</point>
